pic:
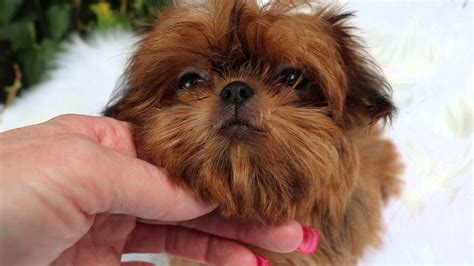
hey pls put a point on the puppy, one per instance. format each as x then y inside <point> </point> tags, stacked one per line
<point>271,113</point>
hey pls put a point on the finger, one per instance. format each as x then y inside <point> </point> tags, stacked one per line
<point>125,185</point>
<point>109,132</point>
<point>193,245</point>
<point>284,238</point>
<point>108,181</point>
<point>145,191</point>
<point>135,193</point>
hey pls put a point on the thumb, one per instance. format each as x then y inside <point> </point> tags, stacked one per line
<point>143,190</point>
<point>121,183</point>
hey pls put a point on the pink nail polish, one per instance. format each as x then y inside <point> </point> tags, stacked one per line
<point>262,261</point>
<point>310,240</point>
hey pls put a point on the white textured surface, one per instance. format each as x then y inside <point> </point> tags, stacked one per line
<point>425,48</point>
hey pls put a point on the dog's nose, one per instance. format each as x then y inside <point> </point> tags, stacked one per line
<point>236,93</point>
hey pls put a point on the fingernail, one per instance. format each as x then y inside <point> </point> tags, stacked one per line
<point>262,261</point>
<point>310,240</point>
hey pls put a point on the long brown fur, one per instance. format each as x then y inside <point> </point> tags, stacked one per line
<point>317,155</point>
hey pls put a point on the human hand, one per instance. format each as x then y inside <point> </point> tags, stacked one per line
<point>73,191</point>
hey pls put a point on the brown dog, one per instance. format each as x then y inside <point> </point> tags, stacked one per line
<point>270,113</point>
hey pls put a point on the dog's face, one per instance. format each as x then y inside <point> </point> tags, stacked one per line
<point>252,107</point>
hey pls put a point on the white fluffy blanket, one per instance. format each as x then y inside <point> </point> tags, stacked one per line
<point>425,48</point>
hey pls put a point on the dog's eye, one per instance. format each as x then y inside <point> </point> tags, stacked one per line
<point>291,77</point>
<point>189,80</point>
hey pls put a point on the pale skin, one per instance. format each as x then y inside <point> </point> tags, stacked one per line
<point>74,192</point>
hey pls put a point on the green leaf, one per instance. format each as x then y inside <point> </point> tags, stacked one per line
<point>37,60</point>
<point>158,4</point>
<point>138,6</point>
<point>58,18</point>
<point>21,34</point>
<point>107,18</point>
<point>104,14</point>
<point>31,31</point>
<point>123,21</point>
<point>8,9</point>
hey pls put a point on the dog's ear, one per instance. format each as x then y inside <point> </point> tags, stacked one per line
<point>368,92</point>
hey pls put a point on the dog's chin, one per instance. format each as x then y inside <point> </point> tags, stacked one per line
<point>268,211</point>
<point>239,131</point>
<point>268,173</point>
<point>254,192</point>
<point>258,217</point>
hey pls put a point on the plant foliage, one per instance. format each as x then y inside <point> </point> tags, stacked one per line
<point>32,31</point>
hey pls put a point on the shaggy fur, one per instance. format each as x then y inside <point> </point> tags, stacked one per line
<point>309,150</point>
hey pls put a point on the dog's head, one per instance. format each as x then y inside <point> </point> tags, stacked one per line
<point>251,107</point>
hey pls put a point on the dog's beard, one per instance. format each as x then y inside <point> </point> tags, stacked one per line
<point>276,174</point>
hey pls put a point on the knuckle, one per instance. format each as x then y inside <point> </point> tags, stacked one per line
<point>65,117</point>
<point>209,251</point>
<point>80,143</point>
<point>171,239</point>
<point>79,165</point>
<point>222,250</point>
<point>73,148</point>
